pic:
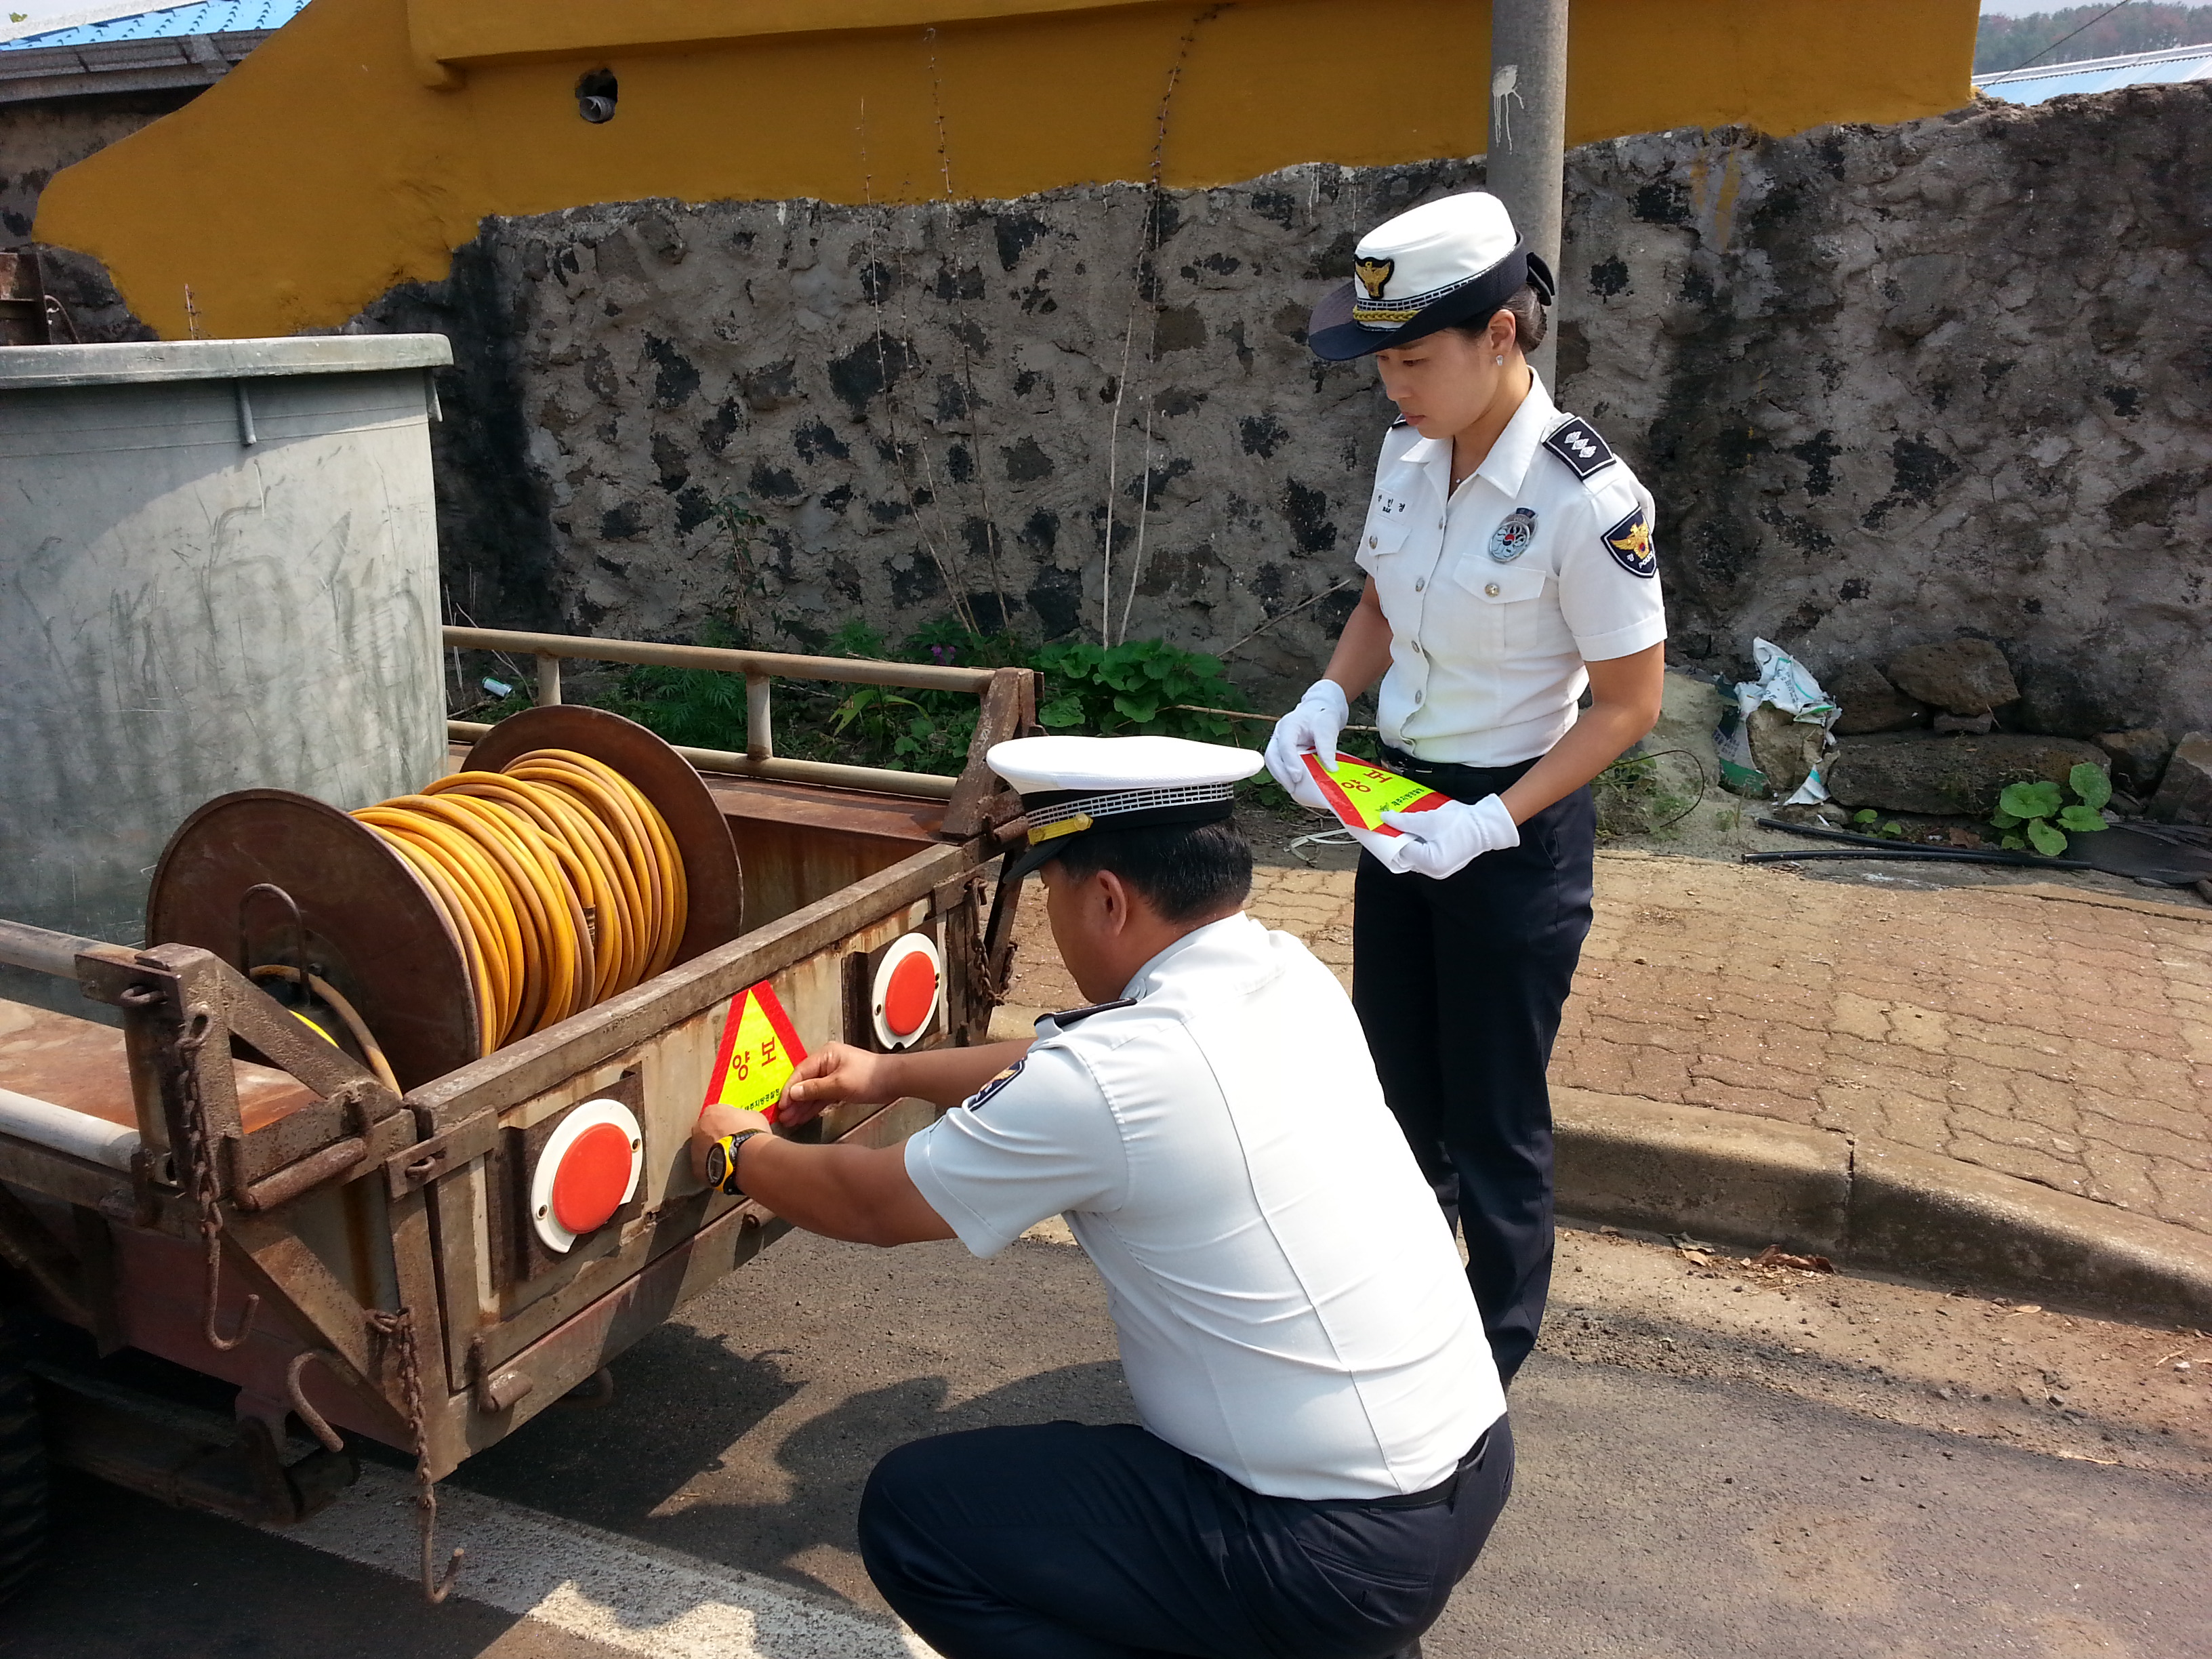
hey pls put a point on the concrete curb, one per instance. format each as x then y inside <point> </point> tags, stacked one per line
<point>1738,1179</point>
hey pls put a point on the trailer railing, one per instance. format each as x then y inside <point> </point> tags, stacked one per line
<point>760,669</point>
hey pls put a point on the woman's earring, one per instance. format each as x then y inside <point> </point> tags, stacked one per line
<point>1501,363</point>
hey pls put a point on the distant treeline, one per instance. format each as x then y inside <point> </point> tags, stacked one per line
<point>2007,42</point>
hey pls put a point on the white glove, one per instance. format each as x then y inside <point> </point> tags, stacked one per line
<point>1310,728</point>
<point>1445,841</point>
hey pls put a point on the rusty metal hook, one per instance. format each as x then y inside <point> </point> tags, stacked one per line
<point>332,1441</point>
<point>221,1344</point>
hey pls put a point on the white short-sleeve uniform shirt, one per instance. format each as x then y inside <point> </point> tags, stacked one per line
<point>1498,593</point>
<point>1290,1305</point>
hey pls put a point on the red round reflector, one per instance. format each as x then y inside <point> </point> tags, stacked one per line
<point>911,997</point>
<point>593,1175</point>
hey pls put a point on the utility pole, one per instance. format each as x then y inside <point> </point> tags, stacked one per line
<point>1529,133</point>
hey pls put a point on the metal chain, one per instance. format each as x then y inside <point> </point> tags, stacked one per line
<point>976,946</point>
<point>398,1330</point>
<point>199,1159</point>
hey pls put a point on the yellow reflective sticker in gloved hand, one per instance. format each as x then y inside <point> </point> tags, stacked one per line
<point>1360,794</point>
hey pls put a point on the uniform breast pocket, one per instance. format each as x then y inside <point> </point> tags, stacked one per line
<point>1501,585</point>
<point>1385,534</point>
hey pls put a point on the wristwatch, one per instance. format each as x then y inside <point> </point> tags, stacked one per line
<point>722,1161</point>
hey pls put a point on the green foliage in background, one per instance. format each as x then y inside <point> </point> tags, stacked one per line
<point>2003,43</point>
<point>1142,686</point>
<point>1139,686</point>
<point>2038,815</point>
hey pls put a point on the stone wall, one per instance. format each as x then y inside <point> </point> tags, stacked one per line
<point>1889,385</point>
<point>40,136</point>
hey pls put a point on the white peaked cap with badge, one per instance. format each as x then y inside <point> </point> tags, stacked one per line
<point>1069,785</point>
<point>1436,266</point>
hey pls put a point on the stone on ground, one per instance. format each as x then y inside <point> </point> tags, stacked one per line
<point>1907,773</point>
<point>1870,702</point>
<point>2138,757</point>
<point>1961,676</point>
<point>2184,796</point>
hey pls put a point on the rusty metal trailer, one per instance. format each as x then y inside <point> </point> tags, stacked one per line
<point>215,1185</point>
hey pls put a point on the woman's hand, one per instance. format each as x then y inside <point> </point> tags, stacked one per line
<point>1311,729</point>
<point>1445,840</point>
<point>838,1075</point>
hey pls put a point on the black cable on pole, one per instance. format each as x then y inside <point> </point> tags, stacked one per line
<point>2063,39</point>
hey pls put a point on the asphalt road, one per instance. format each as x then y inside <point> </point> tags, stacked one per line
<point>1689,1489</point>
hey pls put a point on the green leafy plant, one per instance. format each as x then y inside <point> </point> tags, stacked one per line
<point>2038,815</point>
<point>1869,824</point>
<point>1139,686</point>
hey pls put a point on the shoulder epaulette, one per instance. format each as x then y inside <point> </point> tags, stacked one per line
<point>1575,442</point>
<point>1073,1015</point>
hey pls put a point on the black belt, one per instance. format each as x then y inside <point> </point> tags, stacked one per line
<point>1450,778</point>
<point>1442,1492</point>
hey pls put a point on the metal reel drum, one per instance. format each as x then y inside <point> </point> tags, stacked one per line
<point>366,923</point>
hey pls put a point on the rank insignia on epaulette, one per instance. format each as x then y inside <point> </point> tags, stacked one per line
<point>1630,543</point>
<point>1576,442</point>
<point>1071,1016</point>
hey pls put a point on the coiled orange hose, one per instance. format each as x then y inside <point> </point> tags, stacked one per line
<point>561,880</point>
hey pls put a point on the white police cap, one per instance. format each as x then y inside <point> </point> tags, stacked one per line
<point>1069,785</point>
<point>1443,263</point>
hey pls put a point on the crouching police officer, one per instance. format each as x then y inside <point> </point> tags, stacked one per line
<point>1323,1445</point>
<point>1509,562</point>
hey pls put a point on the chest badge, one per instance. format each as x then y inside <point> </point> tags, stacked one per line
<point>1630,543</point>
<point>1514,534</point>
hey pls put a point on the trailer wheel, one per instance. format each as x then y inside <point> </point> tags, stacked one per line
<point>22,1472</point>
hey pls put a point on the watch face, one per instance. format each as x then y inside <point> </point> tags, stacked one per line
<point>718,1163</point>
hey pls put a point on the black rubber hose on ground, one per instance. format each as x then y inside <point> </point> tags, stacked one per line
<point>1878,848</point>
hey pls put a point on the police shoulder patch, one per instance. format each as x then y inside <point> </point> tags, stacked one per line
<point>1630,543</point>
<point>1575,442</point>
<point>996,1084</point>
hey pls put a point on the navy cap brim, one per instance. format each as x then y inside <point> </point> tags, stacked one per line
<point>1333,335</point>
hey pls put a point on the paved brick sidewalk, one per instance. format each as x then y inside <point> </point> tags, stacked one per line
<point>2067,1040</point>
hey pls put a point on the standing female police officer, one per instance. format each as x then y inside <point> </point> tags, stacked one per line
<point>1509,562</point>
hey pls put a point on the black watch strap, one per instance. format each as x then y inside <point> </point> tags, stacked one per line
<point>722,1162</point>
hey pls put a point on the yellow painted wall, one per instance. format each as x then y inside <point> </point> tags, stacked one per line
<point>328,167</point>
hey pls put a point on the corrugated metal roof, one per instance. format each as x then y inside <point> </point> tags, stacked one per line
<point>2033,86</point>
<point>167,22</point>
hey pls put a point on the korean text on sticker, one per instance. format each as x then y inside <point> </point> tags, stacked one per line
<point>1360,794</point>
<point>759,1052</point>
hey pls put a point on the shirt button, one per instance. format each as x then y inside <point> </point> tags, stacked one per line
<point>1418,695</point>
<point>1491,588</point>
<point>1419,582</point>
<point>1370,541</point>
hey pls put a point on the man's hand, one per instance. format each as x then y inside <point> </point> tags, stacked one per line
<point>714,1123</point>
<point>838,1074</point>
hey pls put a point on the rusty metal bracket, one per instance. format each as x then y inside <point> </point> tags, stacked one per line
<point>185,1095</point>
<point>418,1165</point>
<point>979,799</point>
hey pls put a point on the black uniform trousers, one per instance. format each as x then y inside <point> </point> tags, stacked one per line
<point>1062,1540</point>
<point>1459,984</point>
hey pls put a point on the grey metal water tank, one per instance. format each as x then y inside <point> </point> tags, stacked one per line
<point>218,570</point>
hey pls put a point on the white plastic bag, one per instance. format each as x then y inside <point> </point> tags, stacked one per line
<point>1784,684</point>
